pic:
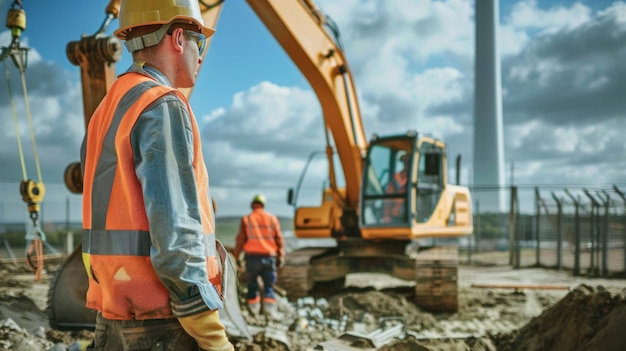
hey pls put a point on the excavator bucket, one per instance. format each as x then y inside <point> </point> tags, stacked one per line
<point>66,298</point>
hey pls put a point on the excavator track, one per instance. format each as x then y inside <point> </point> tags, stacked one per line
<point>308,272</point>
<point>436,272</point>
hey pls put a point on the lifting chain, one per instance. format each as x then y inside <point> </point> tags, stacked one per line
<point>32,191</point>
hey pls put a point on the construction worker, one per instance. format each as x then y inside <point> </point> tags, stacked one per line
<point>394,209</point>
<point>149,231</point>
<point>261,240</point>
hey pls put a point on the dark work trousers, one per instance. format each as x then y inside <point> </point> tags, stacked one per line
<point>264,267</point>
<point>135,335</point>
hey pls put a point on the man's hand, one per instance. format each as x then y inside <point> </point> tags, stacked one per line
<point>208,331</point>
<point>280,261</point>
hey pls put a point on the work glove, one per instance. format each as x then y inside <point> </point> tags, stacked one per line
<point>207,330</point>
<point>280,261</point>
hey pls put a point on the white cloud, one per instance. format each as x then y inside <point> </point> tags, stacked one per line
<point>416,28</point>
<point>527,19</point>
<point>527,15</point>
<point>406,98</point>
<point>617,9</point>
<point>212,116</point>
<point>511,40</point>
<point>263,138</point>
<point>267,109</point>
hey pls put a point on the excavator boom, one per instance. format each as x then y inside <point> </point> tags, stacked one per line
<point>299,28</point>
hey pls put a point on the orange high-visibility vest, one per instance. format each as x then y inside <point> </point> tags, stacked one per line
<point>394,208</point>
<point>116,239</point>
<point>262,234</point>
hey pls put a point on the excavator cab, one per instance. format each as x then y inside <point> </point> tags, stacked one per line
<point>404,183</point>
<point>388,182</point>
<point>403,180</point>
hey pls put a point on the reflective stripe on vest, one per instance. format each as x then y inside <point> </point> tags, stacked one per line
<point>128,242</point>
<point>116,241</point>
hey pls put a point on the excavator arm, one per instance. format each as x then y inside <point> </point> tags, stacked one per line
<point>299,27</point>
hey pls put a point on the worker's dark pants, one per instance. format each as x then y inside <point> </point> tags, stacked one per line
<point>151,334</point>
<point>264,267</point>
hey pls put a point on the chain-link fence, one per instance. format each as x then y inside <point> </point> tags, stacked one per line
<point>581,230</point>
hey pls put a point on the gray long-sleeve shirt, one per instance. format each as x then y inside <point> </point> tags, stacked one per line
<point>162,142</point>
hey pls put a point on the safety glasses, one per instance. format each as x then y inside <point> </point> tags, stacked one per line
<point>199,38</point>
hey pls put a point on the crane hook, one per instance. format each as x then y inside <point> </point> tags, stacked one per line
<point>33,193</point>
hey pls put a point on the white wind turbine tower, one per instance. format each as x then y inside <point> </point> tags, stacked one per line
<point>488,168</point>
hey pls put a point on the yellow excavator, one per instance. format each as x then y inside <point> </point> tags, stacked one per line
<point>395,189</point>
<point>395,192</point>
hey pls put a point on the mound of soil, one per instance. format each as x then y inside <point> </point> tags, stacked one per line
<point>586,319</point>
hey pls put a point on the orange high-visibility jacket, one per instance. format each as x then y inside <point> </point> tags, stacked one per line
<point>260,234</point>
<point>116,241</point>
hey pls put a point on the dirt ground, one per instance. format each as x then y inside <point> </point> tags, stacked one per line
<point>549,310</point>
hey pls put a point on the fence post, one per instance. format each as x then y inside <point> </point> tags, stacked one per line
<point>595,206</point>
<point>559,232</point>
<point>576,234</point>
<point>537,227</point>
<point>477,226</point>
<point>513,259</point>
<point>605,233</point>
<point>621,194</point>
<point>69,243</point>
<point>458,169</point>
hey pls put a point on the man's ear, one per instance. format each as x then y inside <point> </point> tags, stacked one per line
<point>177,40</point>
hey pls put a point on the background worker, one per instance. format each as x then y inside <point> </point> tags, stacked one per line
<point>261,240</point>
<point>148,225</point>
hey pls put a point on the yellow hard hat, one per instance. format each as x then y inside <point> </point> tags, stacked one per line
<point>259,198</point>
<point>136,13</point>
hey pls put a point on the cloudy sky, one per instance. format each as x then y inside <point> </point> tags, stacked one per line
<point>563,67</point>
